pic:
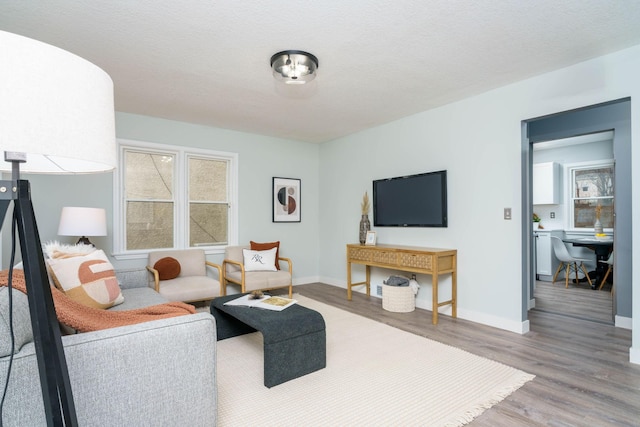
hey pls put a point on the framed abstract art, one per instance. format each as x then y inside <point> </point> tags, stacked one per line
<point>286,200</point>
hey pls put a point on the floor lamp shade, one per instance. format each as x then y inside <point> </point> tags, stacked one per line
<point>56,107</point>
<point>56,117</point>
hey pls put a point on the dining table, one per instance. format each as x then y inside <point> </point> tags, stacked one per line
<point>602,249</point>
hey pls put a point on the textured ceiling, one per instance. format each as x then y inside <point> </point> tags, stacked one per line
<point>207,62</point>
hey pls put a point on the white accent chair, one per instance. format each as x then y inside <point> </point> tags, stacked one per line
<point>235,274</point>
<point>568,261</point>
<point>193,283</point>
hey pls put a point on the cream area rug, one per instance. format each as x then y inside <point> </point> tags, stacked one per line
<point>376,375</point>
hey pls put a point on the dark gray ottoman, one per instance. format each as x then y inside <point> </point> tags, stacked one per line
<point>294,338</point>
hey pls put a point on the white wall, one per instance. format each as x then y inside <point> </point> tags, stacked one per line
<point>478,140</point>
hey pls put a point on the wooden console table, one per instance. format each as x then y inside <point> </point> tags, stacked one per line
<point>413,259</point>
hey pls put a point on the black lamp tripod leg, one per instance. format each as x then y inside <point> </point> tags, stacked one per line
<point>52,365</point>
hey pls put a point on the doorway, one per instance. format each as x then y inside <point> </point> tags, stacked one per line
<point>613,116</point>
<point>572,183</point>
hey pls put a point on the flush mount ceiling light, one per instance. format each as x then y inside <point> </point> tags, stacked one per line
<point>294,66</point>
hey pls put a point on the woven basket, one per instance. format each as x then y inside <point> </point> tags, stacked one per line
<point>399,299</point>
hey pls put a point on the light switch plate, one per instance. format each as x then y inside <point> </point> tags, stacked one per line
<point>507,213</point>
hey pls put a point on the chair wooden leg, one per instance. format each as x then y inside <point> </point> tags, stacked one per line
<point>606,275</point>
<point>585,273</point>
<point>567,274</point>
<point>555,276</point>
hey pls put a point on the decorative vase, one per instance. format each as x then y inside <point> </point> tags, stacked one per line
<point>365,226</point>
<point>536,225</point>
<point>597,227</point>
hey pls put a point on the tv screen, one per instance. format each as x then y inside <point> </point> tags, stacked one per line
<point>411,201</point>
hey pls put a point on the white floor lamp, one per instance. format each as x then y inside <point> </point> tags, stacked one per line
<point>56,117</point>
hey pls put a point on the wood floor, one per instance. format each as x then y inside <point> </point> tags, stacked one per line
<point>578,300</point>
<point>583,377</point>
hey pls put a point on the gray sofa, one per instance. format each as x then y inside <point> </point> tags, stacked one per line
<point>159,373</point>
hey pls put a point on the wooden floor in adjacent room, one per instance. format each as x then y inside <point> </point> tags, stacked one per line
<point>578,300</point>
<point>583,376</point>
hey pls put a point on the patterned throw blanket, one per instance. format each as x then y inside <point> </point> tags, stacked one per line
<point>85,319</point>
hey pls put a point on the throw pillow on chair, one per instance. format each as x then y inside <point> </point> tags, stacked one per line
<point>168,268</point>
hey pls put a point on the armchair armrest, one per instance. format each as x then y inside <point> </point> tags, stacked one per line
<point>156,278</point>
<point>220,279</point>
<point>229,279</point>
<point>289,262</point>
<point>230,261</point>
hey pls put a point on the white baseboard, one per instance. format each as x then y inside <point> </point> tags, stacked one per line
<point>333,282</point>
<point>306,280</point>
<point>623,322</point>
<point>493,321</point>
<point>634,355</point>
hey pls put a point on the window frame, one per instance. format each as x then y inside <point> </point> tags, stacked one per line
<point>180,196</point>
<point>569,199</point>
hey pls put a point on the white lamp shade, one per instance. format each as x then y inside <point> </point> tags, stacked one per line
<point>56,107</point>
<point>76,221</point>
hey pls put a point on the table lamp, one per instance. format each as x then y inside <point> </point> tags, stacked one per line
<point>56,117</point>
<point>75,221</point>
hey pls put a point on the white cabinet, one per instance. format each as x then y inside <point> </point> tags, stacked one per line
<point>546,261</point>
<point>546,183</point>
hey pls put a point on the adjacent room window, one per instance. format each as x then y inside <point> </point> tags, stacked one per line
<point>592,191</point>
<point>174,197</point>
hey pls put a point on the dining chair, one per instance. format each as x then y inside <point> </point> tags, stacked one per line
<point>609,262</point>
<point>568,261</point>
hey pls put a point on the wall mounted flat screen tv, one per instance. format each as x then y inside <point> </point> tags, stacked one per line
<point>411,201</point>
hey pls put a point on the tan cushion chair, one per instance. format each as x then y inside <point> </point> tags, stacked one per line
<point>234,273</point>
<point>192,283</point>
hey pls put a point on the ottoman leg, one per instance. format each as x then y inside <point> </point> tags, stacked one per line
<point>228,326</point>
<point>293,358</point>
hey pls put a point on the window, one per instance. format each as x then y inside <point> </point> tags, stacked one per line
<point>592,191</point>
<point>208,206</point>
<point>174,197</point>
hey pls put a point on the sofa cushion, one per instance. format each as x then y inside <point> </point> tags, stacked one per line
<point>259,260</point>
<point>264,246</point>
<point>21,320</point>
<point>88,279</point>
<point>168,268</point>
<point>192,288</point>
<point>263,279</point>
<point>133,278</point>
<point>138,298</point>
